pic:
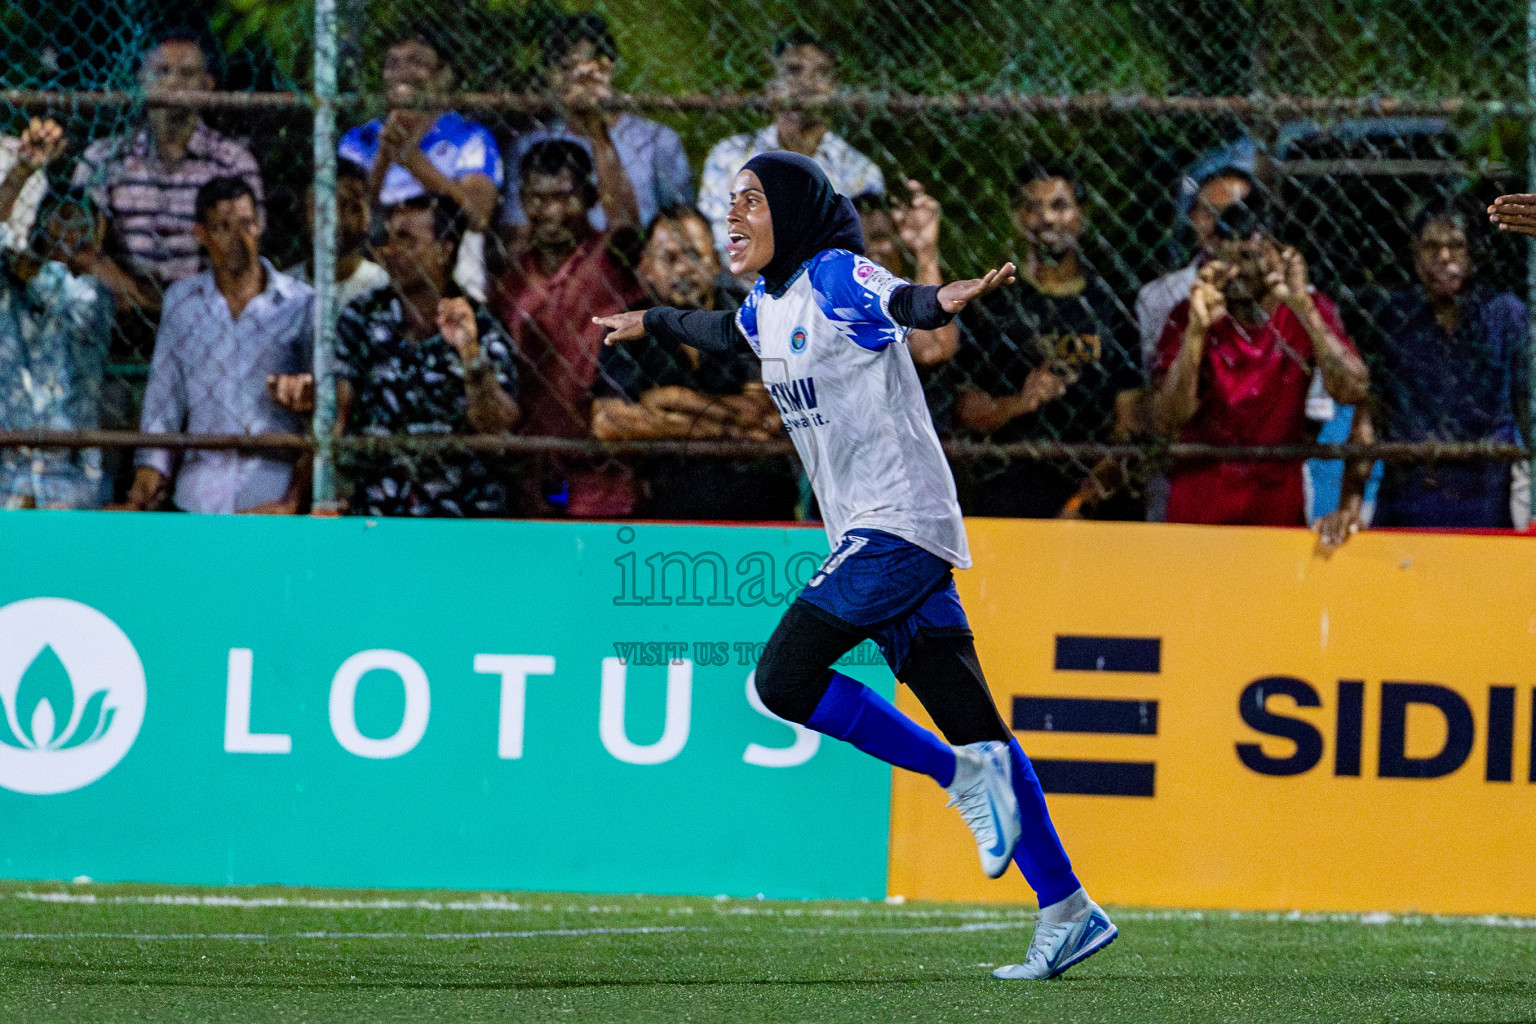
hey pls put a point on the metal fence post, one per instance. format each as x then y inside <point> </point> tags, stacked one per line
<point>325,256</point>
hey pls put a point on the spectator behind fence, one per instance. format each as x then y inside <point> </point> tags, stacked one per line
<point>1234,365</point>
<point>1448,363</point>
<point>1215,192</point>
<point>564,275</point>
<point>23,182</point>
<point>806,70</point>
<point>1048,358</point>
<point>146,182</point>
<point>578,53</point>
<point>418,359</point>
<point>643,393</point>
<point>222,334</point>
<point>1156,299</point>
<point>904,239</point>
<point>54,331</point>
<point>356,275</point>
<point>416,150</point>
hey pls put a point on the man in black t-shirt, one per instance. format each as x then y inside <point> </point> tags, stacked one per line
<point>644,393</point>
<point>1050,357</point>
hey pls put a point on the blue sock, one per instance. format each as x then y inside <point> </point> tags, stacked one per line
<point>1040,855</point>
<point>852,712</point>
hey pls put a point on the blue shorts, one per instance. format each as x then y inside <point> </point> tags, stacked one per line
<point>888,589</point>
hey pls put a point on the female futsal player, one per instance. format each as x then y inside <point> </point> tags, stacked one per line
<point>830,328</point>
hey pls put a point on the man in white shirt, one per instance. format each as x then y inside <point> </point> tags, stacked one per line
<point>356,275</point>
<point>806,70</point>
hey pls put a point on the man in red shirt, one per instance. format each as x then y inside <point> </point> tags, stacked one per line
<point>564,274</point>
<point>1235,361</point>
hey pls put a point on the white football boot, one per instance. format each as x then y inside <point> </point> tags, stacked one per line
<point>983,791</point>
<point>1059,943</point>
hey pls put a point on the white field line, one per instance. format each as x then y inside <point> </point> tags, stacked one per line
<point>259,937</point>
<point>487,904</point>
<point>974,926</point>
<point>932,929</point>
<point>1004,917</point>
<point>1299,917</point>
<point>258,902</point>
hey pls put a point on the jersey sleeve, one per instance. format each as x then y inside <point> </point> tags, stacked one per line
<point>855,296</point>
<point>358,146</point>
<point>479,154</point>
<point>746,316</point>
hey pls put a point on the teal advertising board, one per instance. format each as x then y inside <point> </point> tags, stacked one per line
<point>351,702</point>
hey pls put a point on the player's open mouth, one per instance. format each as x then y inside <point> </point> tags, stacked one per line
<point>736,243</point>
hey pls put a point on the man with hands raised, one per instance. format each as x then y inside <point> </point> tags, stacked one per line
<point>1235,362</point>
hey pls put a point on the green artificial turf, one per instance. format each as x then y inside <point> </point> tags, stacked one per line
<point>175,954</point>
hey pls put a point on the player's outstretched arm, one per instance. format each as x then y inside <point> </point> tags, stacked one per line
<point>956,295</point>
<point>707,330</point>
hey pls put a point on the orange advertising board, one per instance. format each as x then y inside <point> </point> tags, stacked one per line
<point>1223,718</point>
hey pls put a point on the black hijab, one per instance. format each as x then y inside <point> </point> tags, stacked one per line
<point>808,216</point>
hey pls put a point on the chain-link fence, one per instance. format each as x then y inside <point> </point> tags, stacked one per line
<point>543,163</point>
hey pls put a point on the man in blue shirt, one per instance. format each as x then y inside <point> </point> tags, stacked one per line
<point>54,331</point>
<point>579,52</point>
<point>415,151</point>
<point>1448,363</point>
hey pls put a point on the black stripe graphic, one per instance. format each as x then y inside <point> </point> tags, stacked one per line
<point>1085,714</point>
<point>1096,778</point>
<point>1351,718</point>
<point>1501,734</point>
<point>1109,654</point>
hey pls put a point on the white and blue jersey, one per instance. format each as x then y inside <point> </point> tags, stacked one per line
<point>455,146</point>
<point>838,368</point>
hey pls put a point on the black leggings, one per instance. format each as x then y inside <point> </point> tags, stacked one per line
<point>942,670</point>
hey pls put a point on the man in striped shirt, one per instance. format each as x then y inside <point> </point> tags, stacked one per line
<point>145,182</point>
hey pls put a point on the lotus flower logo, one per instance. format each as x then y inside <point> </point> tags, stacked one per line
<point>71,695</point>
<point>46,691</point>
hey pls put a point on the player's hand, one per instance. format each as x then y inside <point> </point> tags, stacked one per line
<point>1207,301</point>
<point>293,391</point>
<point>956,295</point>
<point>622,326</point>
<point>42,142</point>
<point>456,323</point>
<point>918,224</point>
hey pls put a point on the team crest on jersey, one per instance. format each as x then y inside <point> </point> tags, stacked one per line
<point>797,340</point>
